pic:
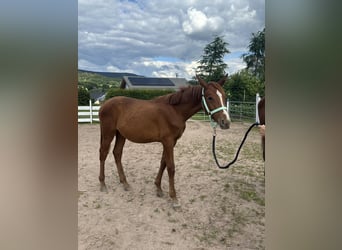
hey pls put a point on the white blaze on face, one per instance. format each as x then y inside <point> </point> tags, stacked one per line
<point>218,93</point>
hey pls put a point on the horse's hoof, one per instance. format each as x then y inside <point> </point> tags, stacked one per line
<point>160,192</point>
<point>175,205</point>
<point>103,188</point>
<point>126,187</point>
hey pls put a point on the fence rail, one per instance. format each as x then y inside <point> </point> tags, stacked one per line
<point>238,111</point>
<point>242,111</point>
<point>88,113</point>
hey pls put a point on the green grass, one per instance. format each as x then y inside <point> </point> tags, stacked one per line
<point>239,220</point>
<point>200,116</point>
<point>251,195</point>
<point>248,192</point>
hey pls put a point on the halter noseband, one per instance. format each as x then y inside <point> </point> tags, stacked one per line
<point>211,112</point>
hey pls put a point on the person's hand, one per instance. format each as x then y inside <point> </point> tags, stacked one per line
<point>262,130</point>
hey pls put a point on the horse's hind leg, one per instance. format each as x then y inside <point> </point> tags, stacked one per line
<point>117,152</point>
<point>106,140</point>
<point>169,158</point>
<point>157,182</point>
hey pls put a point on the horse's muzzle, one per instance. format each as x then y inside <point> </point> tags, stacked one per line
<point>224,123</point>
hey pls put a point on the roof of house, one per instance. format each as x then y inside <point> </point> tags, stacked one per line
<point>96,94</point>
<point>138,82</point>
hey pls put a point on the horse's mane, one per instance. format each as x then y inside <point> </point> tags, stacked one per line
<point>181,96</point>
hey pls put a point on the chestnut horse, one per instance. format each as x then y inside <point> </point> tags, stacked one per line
<point>261,112</point>
<point>159,120</point>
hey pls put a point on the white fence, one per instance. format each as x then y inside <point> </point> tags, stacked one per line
<point>236,110</point>
<point>88,113</point>
<point>244,111</point>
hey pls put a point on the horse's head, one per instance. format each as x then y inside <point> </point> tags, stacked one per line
<point>214,100</point>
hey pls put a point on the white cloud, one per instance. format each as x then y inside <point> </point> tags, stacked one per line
<point>198,25</point>
<point>235,65</point>
<point>197,20</point>
<point>88,65</point>
<point>131,36</point>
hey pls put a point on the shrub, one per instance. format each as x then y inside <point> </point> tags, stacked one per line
<point>83,96</point>
<point>144,94</point>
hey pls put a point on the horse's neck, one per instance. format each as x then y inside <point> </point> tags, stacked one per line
<point>188,110</point>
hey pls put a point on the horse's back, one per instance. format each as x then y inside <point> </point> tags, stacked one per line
<point>116,105</point>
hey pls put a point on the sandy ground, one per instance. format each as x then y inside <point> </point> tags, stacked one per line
<point>220,209</point>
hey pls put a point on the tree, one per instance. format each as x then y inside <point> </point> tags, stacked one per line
<point>243,86</point>
<point>212,66</point>
<point>255,59</point>
<point>83,96</point>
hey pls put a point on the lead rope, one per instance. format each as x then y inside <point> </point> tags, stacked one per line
<point>237,153</point>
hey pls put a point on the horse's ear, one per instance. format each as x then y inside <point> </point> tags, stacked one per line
<point>223,80</point>
<point>201,82</point>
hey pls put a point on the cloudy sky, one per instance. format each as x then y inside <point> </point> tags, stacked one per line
<point>163,38</point>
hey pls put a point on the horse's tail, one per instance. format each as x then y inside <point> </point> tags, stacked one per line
<point>107,123</point>
<point>101,124</point>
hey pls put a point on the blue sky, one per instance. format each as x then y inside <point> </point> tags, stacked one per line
<point>163,38</point>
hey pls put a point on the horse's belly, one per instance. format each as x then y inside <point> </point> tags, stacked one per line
<point>149,126</point>
<point>140,133</point>
<point>144,133</point>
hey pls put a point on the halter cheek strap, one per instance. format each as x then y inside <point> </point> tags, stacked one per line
<point>211,112</point>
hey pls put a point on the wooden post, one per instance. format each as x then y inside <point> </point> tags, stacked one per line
<point>257,100</point>
<point>228,107</point>
<point>91,112</point>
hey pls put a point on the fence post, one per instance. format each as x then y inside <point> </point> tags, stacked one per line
<point>91,112</point>
<point>228,107</point>
<point>257,100</point>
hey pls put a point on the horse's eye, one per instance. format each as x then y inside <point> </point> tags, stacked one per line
<point>210,98</point>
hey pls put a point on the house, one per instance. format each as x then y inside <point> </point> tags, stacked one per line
<point>100,99</point>
<point>97,96</point>
<point>139,82</point>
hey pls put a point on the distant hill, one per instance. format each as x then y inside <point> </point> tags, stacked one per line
<point>98,83</point>
<point>117,75</point>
